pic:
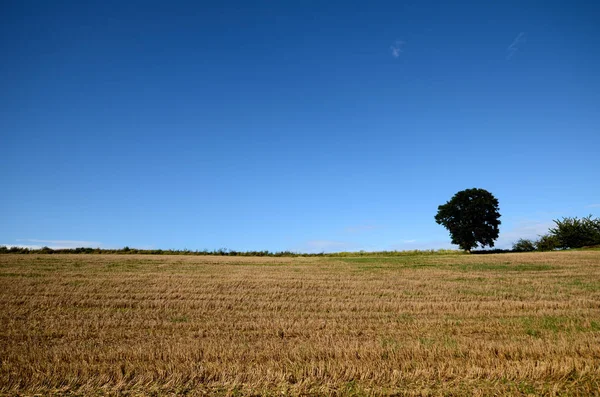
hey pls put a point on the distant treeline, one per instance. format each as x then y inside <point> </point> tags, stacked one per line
<point>227,252</point>
<point>218,252</point>
<point>569,233</point>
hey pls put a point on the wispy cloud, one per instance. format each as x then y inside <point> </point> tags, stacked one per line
<point>528,229</point>
<point>597,205</point>
<point>57,244</point>
<point>513,48</point>
<point>31,247</point>
<point>414,244</point>
<point>397,48</point>
<point>325,244</point>
<point>317,246</point>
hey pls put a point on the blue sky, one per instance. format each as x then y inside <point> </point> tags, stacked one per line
<point>307,126</point>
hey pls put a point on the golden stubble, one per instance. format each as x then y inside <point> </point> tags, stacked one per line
<point>410,325</point>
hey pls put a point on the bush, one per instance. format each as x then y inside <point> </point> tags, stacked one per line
<point>46,250</point>
<point>524,245</point>
<point>577,233</point>
<point>547,242</point>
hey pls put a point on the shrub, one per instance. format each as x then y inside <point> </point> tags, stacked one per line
<point>547,242</point>
<point>46,250</point>
<point>524,245</point>
<point>577,233</point>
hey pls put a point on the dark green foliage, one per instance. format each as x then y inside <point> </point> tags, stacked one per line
<point>492,251</point>
<point>524,245</point>
<point>471,216</point>
<point>547,242</point>
<point>46,250</point>
<point>577,233</point>
<point>568,233</point>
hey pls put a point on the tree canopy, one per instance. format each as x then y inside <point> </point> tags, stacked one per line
<point>577,233</point>
<point>472,217</point>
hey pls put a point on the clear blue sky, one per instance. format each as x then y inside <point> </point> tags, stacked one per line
<point>308,125</point>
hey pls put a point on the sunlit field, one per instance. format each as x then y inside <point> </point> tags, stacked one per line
<point>437,324</point>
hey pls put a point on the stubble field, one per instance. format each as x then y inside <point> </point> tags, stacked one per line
<point>513,324</point>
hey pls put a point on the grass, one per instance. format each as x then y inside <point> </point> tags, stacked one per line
<point>511,324</point>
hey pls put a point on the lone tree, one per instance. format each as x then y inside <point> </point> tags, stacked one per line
<point>471,216</point>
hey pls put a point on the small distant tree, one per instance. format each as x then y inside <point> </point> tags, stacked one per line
<point>577,233</point>
<point>472,217</point>
<point>46,250</point>
<point>547,242</point>
<point>524,245</point>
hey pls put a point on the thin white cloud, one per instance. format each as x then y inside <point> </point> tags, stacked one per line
<point>397,48</point>
<point>527,229</point>
<point>513,48</point>
<point>423,245</point>
<point>325,244</point>
<point>593,206</point>
<point>31,247</point>
<point>317,246</point>
<point>58,244</point>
